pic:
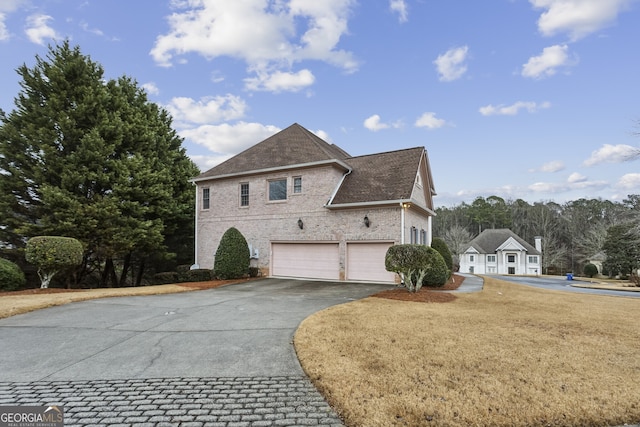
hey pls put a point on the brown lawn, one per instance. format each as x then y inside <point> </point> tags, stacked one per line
<point>510,355</point>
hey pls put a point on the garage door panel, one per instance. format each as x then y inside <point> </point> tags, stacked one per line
<point>312,260</point>
<point>365,262</point>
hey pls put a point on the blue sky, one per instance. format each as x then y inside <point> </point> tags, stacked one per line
<point>531,99</point>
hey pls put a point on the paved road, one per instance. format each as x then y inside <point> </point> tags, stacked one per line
<point>224,356</point>
<point>562,284</point>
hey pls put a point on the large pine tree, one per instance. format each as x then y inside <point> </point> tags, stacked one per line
<point>95,160</point>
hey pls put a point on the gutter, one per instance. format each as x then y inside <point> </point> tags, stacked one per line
<point>333,195</point>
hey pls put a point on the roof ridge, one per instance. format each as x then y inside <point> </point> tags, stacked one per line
<point>323,145</point>
<point>387,152</point>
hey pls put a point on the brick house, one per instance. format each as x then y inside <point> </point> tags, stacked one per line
<point>501,251</point>
<point>308,209</point>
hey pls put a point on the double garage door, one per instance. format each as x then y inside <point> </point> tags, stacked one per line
<point>364,261</point>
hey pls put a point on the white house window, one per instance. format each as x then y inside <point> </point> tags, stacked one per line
<point>491,258</point>
<point>423,237</point>
<point>533,259</point>
<point>206,198</point>
<point>278,189</point>
<point>511,258</point>
<point>471,258</point>
<point>297,185</point>
<point>244,194</point>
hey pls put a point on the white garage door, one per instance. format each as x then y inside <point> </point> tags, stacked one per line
<point>312,260</point>
<point>365,261</point>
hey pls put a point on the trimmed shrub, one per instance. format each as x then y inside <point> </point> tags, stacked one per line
<point>440,246</point>
<point>437,272</point>
<point>232,256</point>
<point>590,270</point>
<point>196,275</point>
<point>165,278</point>
<point>11,277</point>
<point>50,254</point>
<point>254,271</point>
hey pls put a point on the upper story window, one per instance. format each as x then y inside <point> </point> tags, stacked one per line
<point>471,258</point>
<point>206,198</point>
<point>297,185</point>
<point>278,189</point>
<point>491,258</point>
<point>244,194</point>
<point>533,259</point>
<point>511,258</point>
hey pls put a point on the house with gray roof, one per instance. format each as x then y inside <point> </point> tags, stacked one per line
<point>501,251</point>
<point>308,209</point>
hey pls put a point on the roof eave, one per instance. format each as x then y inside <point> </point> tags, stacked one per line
<point>340,163</point>
<point>379,203</point>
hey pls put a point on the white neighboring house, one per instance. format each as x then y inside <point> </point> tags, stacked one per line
<point>501,251</point>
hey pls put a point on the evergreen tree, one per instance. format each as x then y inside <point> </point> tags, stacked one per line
<point>96,161</point>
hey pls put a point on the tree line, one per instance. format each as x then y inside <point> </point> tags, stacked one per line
<point>91,158</point>
<point>572,233</point>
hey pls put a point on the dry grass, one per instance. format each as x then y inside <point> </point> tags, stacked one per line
<point>508,356</point>
<point>18,302</point>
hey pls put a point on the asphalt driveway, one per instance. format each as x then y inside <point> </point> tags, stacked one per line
<point>241,330</point>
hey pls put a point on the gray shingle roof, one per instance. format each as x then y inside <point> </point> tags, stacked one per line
<point>291,146</point>
<point>380,177</point>
<point>489,240</point>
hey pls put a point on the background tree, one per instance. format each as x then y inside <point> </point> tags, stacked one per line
<point>622,248</point>
<point>96,161</point>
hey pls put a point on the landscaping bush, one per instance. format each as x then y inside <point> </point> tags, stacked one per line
<point>590,270</point>
<point>232,256</point>
<point>196,275</point>
<point>11,277</point>
<point>442,248</point>
<point>51,254</point>
<point>166,278</point>
<point>437,271</point>
<point>254,271</point>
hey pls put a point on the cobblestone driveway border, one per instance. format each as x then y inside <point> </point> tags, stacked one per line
<point>184,402</point>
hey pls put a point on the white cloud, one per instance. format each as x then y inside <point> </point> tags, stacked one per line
<point>226,139</point>
<point>613,154</point>
<point>399,7</point>
<point>151,88</point>
<point>38,29</point>
<point>576,177</point>
<point>268,38</point>
<point>207,110</point>
<point>373,123</point>
<point>578,18</point>
<point>450,65</point>
<point>563,187</point>
<point>85,26</point>
<point>630,181</point>
<point>280,81</point>
<point>513,109</point>
<point>4,32</point>
<point>429,120</point>
<point>547,63</point>
<point>551,167</point>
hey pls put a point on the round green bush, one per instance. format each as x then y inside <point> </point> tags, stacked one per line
<point>232,256</point>
<point>437,272</point>
<point>196,275</point>
<point>440,246</point>
<point>590,270</point>
<point>11,277</point>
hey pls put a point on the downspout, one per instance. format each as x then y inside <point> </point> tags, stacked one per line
<point>338,187</point>
<point>195,234</point>
<point>401,223</point>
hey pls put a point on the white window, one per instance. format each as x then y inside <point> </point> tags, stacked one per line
<point>511,258</point>
<point>297,185</point>
<point>278,189</point>
<point>206,198</point>
<point>244,194</point>
<point>533,259</point>
<point>472,258</point>
<point>491,258</point>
